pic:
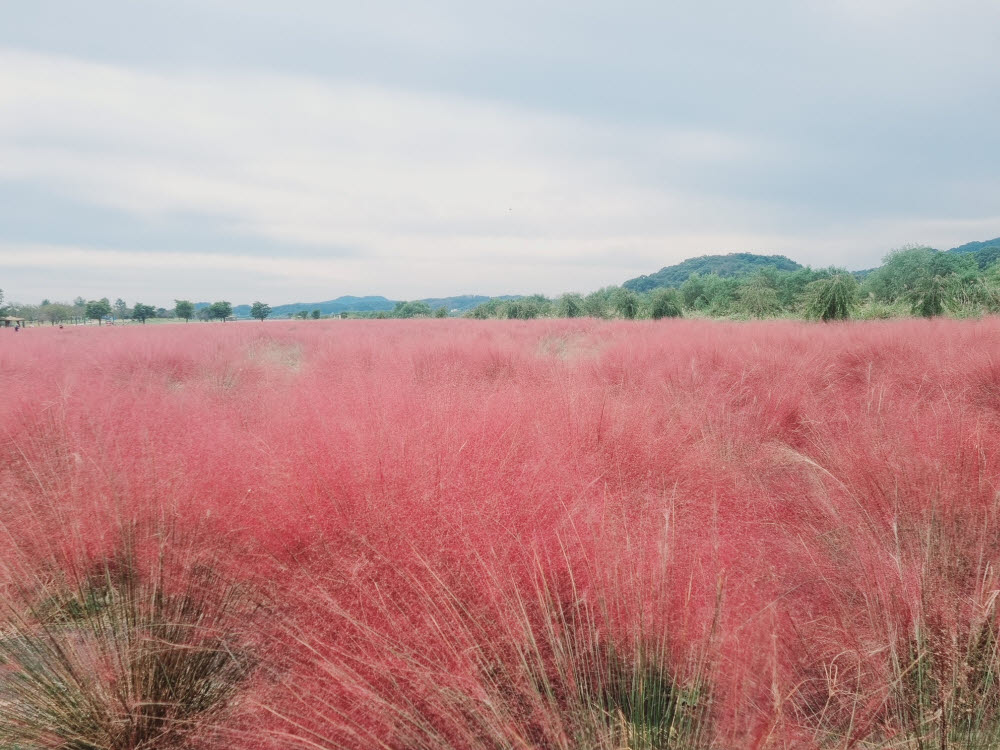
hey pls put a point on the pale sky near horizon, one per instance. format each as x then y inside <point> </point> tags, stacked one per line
<point>302,150</point>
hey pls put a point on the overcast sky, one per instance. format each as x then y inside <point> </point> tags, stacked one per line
<point>305,149</point>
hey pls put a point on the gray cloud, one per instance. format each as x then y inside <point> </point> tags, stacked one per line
<point>409,148</point>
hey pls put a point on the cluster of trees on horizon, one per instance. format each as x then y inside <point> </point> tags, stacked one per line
<point>102,310</point>
<point>912,281</point>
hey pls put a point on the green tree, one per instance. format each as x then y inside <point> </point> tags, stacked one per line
<point>626,303</point>
<point>833,298</point>
<point>184,309</point>
<point>973,291</point>
<point>665,303</point>
<point>55,312</point>
<point>488,309</point>
<point>718,295</point>
<point>79,309</point>
<point>924,278</point>
<point>898,273</point>
<point>989,288</point>
<point>98,309</point>
<point>416,309</point>
<point>141,312</point>
<point>904,272</point>
<point>596,304</point>
<point>571,306</point>
<point>693,291</point>
<point>121,309</point>
<point>929,296</point>
<point>757,298</point>
<point>260,311</point>
<point>220,310</point>
<point>791,285</point>
<point>316,314</point>
<point>526,308</point>
<point>441,312</point>
<point>28,312</point>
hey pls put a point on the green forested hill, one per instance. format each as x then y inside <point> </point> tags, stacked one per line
<point>734,264</point>
<point>974,247</point>
<point>987,252</point>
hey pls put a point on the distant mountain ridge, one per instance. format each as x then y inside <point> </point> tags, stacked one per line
<point>975,247</point>
<point>740,264</point>
<point>987,252</point>
<point>733,264</point>
<point>373,303</point>
<point>730,265</point>
<point>346,303</point>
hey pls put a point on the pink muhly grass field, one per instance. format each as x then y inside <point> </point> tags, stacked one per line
<point>484,534</point>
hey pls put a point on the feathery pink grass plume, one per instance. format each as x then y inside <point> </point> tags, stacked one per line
<point>479,534</point>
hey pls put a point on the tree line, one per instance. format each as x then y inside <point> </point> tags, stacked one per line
<point>102,311</point>
<point>912,281</point>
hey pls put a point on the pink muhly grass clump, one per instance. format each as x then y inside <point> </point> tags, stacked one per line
<point>535,534</point>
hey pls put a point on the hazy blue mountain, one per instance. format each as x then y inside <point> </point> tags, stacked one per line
<point>463,302</point>
<point>349,303</point>
<point>734,264</point>
<point>329,307</point>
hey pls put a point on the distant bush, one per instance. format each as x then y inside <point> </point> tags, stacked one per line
<point>929,295</point>
<point>666,303</point>
<point>626,303</point>
<point>757,299</point>
<point>571,306</point>
<point>875,310</point>
<point>415,309</point>
<point>833,298</point>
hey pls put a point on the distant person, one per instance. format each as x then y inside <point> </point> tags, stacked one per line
<point>17,327</point>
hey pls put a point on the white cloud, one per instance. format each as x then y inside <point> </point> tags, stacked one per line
<point>415,178</point>
<point>384,189</point>
<point>96,259</point>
